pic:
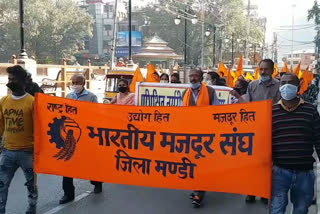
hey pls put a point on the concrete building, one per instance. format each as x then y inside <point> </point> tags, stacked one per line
<point>306,57</point>
<point>99,46</point>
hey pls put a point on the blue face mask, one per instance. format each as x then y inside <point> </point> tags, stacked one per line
<point>288,91</point>
<point>265,78</point>
<point>195,85</point>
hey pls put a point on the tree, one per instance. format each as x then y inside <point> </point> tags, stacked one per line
<point>228,14</point>
<point>54,29</point>
<point>314,13</point>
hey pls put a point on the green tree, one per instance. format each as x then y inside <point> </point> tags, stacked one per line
<point>53,29</point>
<point>228,14</point>
<point>314,13</point>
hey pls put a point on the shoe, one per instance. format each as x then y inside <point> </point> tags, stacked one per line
<point>314,201</point>
<point>191,196</point>
<point>264,200</point>
<point>31,210</point>
<point>66,199</point>
<point>250,199</point>
<point>97,188</point>
<point>196,202</point>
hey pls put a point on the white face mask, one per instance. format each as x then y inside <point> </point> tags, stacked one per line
<point>288,91</point>
<point>164,81</point>
<point>77,88</point>
<point>209,82</point>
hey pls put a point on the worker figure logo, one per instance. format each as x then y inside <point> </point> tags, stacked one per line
<point>65,133</point>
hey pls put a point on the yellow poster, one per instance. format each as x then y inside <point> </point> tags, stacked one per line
<point>165,94</point>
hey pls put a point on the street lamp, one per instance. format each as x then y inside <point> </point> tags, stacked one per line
<point>177,21</point>
<point>208,33</point>
<point>194,20</point>
<point>23,53</point>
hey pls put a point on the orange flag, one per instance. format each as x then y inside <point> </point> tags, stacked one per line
<point>222,69</point>
<point>275,71</point>
<point>230,78</point>
<point>285,69</point>
<point>239,71</point>
<point>310,77</point>
<point>257,73</point>
<point>298,70</point>
<point>152,75</point>
<point>305,81</point>
<point>291,69</point>
<point>136,78</point>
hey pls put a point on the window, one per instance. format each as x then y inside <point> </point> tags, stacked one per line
<point>133,28</point>
<point>106,8</point>
<point>111,8</point>
<point>295,62</point>
<point>105,44</point>
<point>289,56</point>
<point>107,27</point>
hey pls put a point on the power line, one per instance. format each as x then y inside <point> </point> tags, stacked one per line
<point>295,29</point>
<point>295,41</point>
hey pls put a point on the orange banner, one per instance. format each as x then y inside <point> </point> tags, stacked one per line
<point>216,148</point>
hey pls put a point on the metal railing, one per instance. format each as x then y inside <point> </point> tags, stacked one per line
<point>63,75</point>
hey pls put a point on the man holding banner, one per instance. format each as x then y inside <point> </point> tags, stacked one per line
<point>265,88</point>
<point>16,123</point>
<point>295,134</point>
<point>78,93</point>
<point>198,95</point>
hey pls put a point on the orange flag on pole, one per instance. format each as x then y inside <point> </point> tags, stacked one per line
<point>291,69</point>
<point>230,78</point>
<point>310,77</point>
<point>305,81</point>
<point>136,78</point>
<point>298,70</point>
<point>239,71</point>
<point>285,68</point>
<point>222,69</point>
<point>257,73</point>
<point>152,75</point>
<point>275,71</point>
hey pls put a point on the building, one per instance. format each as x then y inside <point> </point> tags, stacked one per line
<point>157,52</point>
<point>306,57</point>
<point>99,47</point>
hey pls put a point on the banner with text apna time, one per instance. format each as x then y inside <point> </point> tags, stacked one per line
<point>217,148</point>
<point>166,94</point>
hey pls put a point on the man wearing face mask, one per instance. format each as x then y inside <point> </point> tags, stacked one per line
<point>295,134</point>
<point>78,93</point>
<point>266,88</point>
<point>199,94</point>
<point>16,124</point>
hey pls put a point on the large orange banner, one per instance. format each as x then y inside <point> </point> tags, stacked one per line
<point>216,148</point>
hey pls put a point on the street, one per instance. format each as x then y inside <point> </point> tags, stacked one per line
<point>121,199</point>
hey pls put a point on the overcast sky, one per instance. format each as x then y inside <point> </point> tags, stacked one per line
<point>279,13</point>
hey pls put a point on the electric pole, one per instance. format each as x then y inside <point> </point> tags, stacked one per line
<point>248,33</point>
<point>115,19</point>
<point>275,42</point>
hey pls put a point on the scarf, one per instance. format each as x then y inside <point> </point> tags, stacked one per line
<point>203,97</point>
